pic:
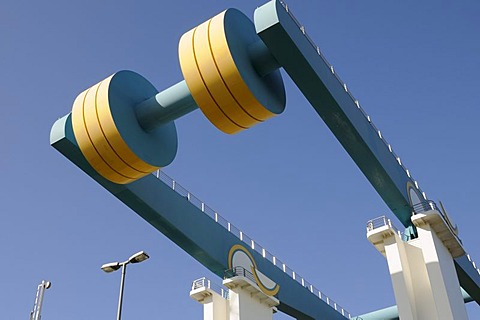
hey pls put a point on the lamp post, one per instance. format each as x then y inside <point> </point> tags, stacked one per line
<point>37,306</point>
<point>114,266</point>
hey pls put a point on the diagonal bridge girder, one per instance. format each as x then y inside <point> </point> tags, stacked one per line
<point>287,41</point>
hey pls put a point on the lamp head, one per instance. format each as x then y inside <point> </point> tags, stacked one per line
<point>110,267</point>
<point>46,284</point>
<point>138,257</point>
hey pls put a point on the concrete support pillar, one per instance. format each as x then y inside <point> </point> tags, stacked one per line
<point>441,273</point>
<point>423,274</point>
<point>246,301</point>
<point>410,281</point>
<point>215,308</point>
<point>249,302</point>
<point>215,305</point>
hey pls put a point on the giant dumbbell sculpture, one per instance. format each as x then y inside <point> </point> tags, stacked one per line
<point>125,128</point>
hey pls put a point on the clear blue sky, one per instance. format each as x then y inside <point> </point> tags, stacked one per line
<point>287,183</point>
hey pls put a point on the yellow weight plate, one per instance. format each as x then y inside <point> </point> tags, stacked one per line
<point>197,87</point>
<point>112,134</point>
<point>99,141</point>
<point>86,146</point>
<point>230,73</point>
<point>214,81</point>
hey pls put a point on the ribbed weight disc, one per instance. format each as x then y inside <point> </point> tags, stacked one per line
<point>85,143</point>
<point>117,101</point>
<point>198,89</point>
<point>110,136</point>
<point>91,109</point>
<point>213,80</point>
<point>216,65</point>
<point>231,33</point>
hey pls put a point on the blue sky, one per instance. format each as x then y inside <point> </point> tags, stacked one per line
<point>287,183</point>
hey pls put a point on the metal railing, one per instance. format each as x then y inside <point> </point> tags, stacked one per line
<point>357,103</point>
<point>381,222</point>
<point>206,283</point>
<point>239,272</point>
<point>428,205</point>
<point>247,240</point>
<point>425,206</point>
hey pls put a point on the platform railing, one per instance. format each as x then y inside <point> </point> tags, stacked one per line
<point>381,222</point>
<point>428,205</point>
<point>425,206</point>
<point>162,176</point>
<point>421,207</point>
<point>239,272</point>
<point>206,283</point>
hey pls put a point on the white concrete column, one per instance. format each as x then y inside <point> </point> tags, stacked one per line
<point>410,281</point>
<point>442,275</point>
<point>247,301</point>
<point>422,270</point>
<point>245,306</point>
<point>215,306</point>
<point>401,278</point>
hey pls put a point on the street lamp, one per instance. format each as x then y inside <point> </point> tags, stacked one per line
<point>114,266</point>
<point>37,306</point>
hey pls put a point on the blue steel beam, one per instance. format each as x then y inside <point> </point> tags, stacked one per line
<point>202,238</point>
<point>302,60</point>
<point>316,79</point>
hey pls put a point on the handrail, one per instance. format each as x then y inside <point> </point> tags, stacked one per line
<point>162,176</point>
<point>430,205</point>
<point>239,271</point>
<point>425,206</point>
<point>380,222</point>
<point>206,283</point>
<point>418,208</point>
